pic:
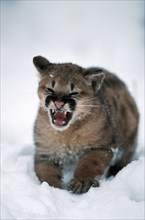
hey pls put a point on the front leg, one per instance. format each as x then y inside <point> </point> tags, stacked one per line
<point>47,171</point>
<point>90,167</point>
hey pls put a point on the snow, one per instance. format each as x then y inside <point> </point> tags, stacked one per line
<point>24,198</point>
<point>95,33</point>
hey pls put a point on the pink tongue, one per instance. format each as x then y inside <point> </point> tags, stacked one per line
<point>59,118</point>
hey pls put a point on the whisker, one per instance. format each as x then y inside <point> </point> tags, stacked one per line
<point>87,112</point>
<point>89,99</point>
<point>95,106</point>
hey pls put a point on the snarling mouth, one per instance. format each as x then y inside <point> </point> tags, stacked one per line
<point>60,117</point>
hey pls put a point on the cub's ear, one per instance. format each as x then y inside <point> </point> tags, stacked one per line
<point>95,79</point>
<point>41,64</point>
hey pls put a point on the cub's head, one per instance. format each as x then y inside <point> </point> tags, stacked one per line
<point>66,91</point>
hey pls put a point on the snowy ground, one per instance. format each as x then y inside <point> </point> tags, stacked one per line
<point>102,33</point>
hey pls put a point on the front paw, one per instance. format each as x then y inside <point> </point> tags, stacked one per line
<point>81,185</point>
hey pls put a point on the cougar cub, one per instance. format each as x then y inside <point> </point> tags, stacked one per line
<point>87,117</point>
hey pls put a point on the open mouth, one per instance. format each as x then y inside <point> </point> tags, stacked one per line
<point>60,117</point>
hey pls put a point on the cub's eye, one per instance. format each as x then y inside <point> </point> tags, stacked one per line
<point>50,91</point>
<point>73,94</point>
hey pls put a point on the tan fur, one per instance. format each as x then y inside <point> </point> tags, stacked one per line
<point>105,120</point>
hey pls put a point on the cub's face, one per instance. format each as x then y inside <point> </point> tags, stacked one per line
<point>65,92</point>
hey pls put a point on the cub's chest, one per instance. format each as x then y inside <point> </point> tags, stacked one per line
<point>66,149</point>
<point>71,141</point>
<point>61,144</point>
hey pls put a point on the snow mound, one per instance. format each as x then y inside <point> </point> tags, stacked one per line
<point>23,197</point>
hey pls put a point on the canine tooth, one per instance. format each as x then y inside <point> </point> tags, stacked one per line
<point>65,113</point>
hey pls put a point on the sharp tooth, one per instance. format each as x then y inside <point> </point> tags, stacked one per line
<point>65,113</point>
